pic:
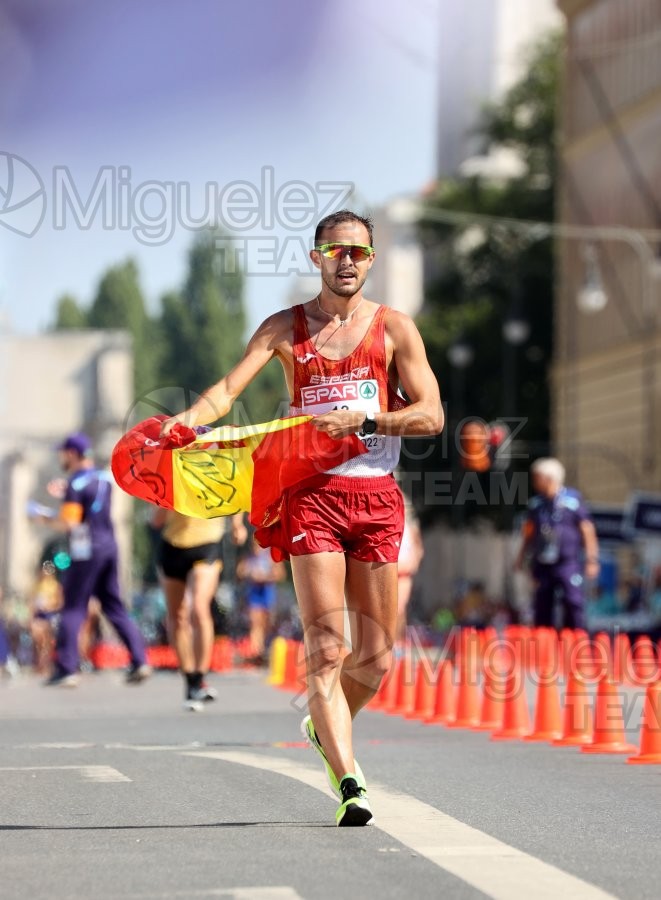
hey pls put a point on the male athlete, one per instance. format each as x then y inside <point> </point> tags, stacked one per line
<point>343,528</point>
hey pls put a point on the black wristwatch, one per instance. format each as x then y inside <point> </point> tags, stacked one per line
<point>368,426</point>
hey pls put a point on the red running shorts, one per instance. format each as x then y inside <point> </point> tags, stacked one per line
<point>363,517</point>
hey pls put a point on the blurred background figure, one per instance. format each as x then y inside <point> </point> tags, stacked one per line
<point>560,542</point>
<point>45,604</point>
<point>189,566</point>
<point>411,553</point>
<point>85,517</point>
<point>4,648</point>
<point>474,609</point>
<point>89,635</point>
<point>260,576</point>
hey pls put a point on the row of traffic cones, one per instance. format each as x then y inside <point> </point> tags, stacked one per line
<point>114,656</point>
<point>538,650</point>
<point>417,693</point>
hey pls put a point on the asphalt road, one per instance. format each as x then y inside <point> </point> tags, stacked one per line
<point>110,791</point>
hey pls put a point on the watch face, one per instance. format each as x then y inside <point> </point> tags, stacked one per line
<point>369,426</point>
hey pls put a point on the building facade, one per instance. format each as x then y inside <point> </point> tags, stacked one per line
<point>481,55</point>
<point>606,379</point>
<point>51,385</point>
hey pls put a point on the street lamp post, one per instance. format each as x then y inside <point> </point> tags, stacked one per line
<point>460,356</point>
<point>516,331</point>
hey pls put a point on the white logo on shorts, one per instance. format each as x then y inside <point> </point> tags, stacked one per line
<point>299,537</point>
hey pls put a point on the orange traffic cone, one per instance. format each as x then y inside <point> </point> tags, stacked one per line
<point>468,651</point>
<point>608,721</point>
<point>543,653</point>
<point>567,638</point>
<point>622,662</point>
<point>486,639</point>
<point>583,658</point>
<point>392,687</point>
<point>493,696</point>
<point>516,719</point>
<point>405,695</point>
<point>548,719</point>
<point>289,681</point>
<point>444,701</point>
<point>577,718</point>
<point>650,728</point>
<point>425,692</point>
<point>603,654</point>
<point>645,664</point>
<point>468,698</point>
<point>517,638</point>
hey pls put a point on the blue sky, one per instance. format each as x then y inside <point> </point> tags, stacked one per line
<point>203,92</point>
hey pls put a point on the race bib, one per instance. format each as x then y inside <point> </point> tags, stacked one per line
<point>363,395</point>
<point>80,543</point>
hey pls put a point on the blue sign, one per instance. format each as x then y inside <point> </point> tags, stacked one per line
<point>610,524</point>
<point>644,515</point>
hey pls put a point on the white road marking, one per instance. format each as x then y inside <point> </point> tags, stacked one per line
<point>243,893</point>
<point>91,773</point>
<point>55,746</point>
<point>492,866</point>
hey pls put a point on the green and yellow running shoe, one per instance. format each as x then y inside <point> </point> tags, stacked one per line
<point>307,730</point>
<point>354,811</point>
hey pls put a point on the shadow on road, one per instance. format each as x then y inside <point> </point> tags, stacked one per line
<point>169,827</point>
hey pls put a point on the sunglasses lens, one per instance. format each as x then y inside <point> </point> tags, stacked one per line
<point>356,252</point>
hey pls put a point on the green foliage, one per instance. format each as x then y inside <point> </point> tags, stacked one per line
<point>69,314</point>
<point>481,273</point>
<point>197,336</point>
<point>203,332</point>
<point>119,303</point>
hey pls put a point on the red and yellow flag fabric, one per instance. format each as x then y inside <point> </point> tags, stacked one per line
<point>205,473</point>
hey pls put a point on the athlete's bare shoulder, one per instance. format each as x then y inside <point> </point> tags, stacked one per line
<point>400,328</point>
<point>276,330</point>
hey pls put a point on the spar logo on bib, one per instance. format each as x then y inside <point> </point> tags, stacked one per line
<point>329,393</point>
<point>348,394</point>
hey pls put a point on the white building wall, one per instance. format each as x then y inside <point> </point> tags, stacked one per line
<point>481,54</point>
<point>51,385</point>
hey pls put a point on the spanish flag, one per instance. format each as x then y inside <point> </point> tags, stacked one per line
<point>205,473</point>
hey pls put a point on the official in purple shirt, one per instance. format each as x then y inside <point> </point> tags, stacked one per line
<point>560,542</point>
<point>85,516</point>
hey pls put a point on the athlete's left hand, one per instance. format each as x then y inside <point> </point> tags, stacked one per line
<point>340,422</point>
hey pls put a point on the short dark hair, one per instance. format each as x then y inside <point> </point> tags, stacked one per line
<point>337,218</point>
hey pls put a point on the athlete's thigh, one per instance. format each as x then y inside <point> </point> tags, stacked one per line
<point>173,589</point>
<point>372,602</point>
<point>202,583</point>
<point>319,583</point>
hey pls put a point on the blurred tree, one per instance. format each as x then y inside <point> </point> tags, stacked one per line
<point>69,314</point>
<point>203,331</point>
<point>480,275</point>
<point>198,335</point>
<point>119,303</point>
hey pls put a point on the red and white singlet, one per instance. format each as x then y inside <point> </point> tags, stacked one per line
<point>359,382</point>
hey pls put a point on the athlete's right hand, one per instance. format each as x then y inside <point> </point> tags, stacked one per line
<point>185,418</point>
